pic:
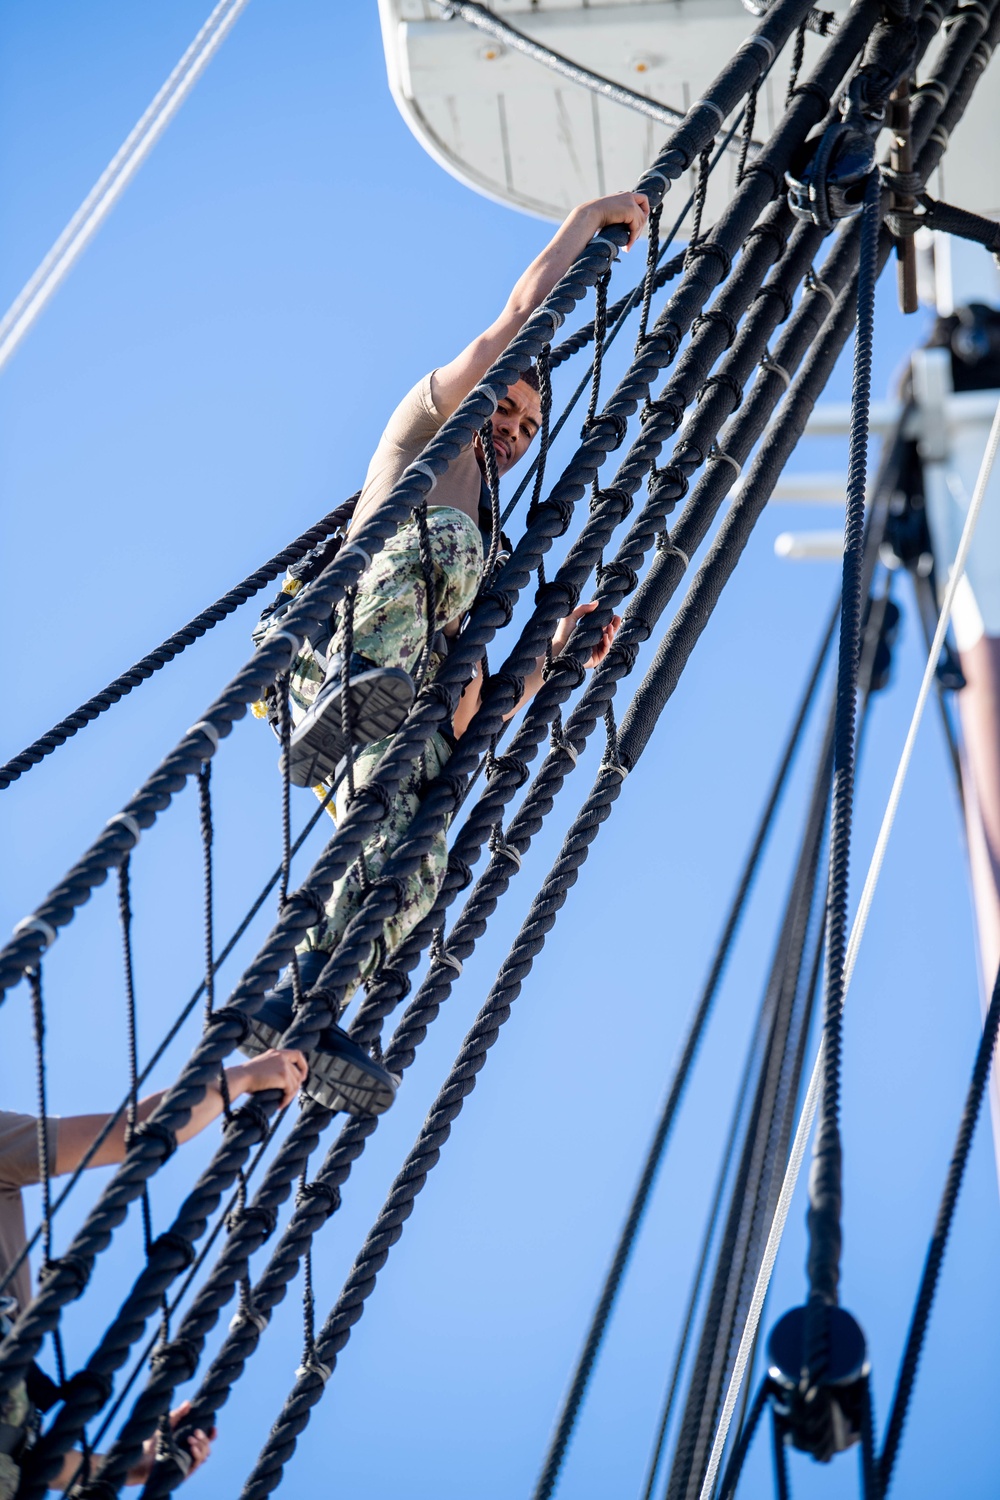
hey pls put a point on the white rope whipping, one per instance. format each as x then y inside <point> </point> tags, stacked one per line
<point>115,178</point>
<point>808,1114</point>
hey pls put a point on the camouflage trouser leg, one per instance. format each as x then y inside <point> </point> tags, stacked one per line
<point>390,628</point>
<point>390,609</point>
<point>420,888</point>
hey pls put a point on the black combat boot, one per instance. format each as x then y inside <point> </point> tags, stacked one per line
<point>342,1075</point>
<point>380,700</point>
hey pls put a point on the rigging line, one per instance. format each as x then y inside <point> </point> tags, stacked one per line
<point>484,20</point>
<point>938,1244</point>
<point>116,176</point>
<point>632,300</point>
<point>804,1126</point>
<point>182,1290</point>
<point>168,1037</point>
<point>586,1361</point>
<point>168,649</point>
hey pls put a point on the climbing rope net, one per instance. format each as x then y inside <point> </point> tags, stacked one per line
<point>727,364</point>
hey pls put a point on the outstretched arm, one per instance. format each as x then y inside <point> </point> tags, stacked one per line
<point>284,1069</point>
<point>452,382</point>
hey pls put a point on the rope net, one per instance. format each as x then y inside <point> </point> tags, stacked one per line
<point>724,354</point>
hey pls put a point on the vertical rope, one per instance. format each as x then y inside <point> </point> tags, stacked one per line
<point>746,139</point>
<point>44,1164</point>
<point>285,736</point>
<point>798,53</point>
<point>939,1243</point>
<point>205,812</point>
<point>735,1465</point>
<point>493,484</point>
<point>430,587</point>
<point>346,719</point>
<point>649,280</point>
<point>823,1217</point>
<point>600,333</point>
<point>700,194</point>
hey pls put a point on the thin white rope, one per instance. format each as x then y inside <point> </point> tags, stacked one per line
<point>116,176</point>
<point>808,1114</point>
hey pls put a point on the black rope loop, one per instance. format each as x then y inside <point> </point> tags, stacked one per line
<point>323,1194</point>
<point>393,984</point>
<point>502,601</point>
<point>92,1387</point>
<point>767,231</point>
<point>249,1116</point>
<point>561,592</point>
<point>811,90</point>
<point>308,898</point>
<point>178,1358</point>
<point>373,791</point>
<point>609,426</point>
<point>460,867</point>
<point>711,250</point>
<point>560,510</point>
<point>671,477</point>
<point>394,887</point>
<point>512,682</point>
<point>663,406</point>
<point>626,576</point>
<point>662,343</point>
<point>178,1244</point>
<point>567,666</point>
<point>72,1269</point>
<point>783,294</point>
<point>906,184</point>
<point>260,1215</point>
<point>155,1130</point>
<point>719,316</point>
<point>511,768</point>
<point>614,496</point>
<point>727,382</point>
<point>230,1023</point>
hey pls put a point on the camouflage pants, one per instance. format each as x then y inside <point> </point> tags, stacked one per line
<point>390,628</point>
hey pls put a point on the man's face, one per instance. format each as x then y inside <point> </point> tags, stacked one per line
<point>515,422</point>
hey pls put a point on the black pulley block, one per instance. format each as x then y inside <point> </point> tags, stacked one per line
<point>828,181</point>
<point>819,1415</point>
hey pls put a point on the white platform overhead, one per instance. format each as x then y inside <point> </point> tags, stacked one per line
<point>513,130</point>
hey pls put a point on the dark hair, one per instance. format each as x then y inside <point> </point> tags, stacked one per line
<point>530,377</point>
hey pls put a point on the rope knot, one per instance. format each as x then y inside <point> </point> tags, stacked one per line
<point>503,602</point>
<point>905,184</point>
<point>177,1359</point>
<point>567,666</point>
<point>511,768</point>
<point>708,249</point>
<point>390,984</point>
<point>667,487</point>
<point>174,1245</point>
<point>258,1216</point>
<point>551,516</point>
<point>727,382</point>
<point>69,1270</point>
<point>250,1116</point>
<point>716,315</point>
<point>608,427</point>
<point>663,406</point>
<point>394,887</point>
<point>620,571</point>
<point>155,1131</point>
<point>561,592</point>
<point>614,496</point>
<point>307,897</point>
<point>229,1023</point>
<point>319,1195</point>
<point>372,791</point>
<point>90,1387</point>
<point>459,868</point>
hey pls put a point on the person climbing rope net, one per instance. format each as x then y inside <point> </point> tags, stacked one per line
<point>382,642</point>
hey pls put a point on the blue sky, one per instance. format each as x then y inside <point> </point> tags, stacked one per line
<point>211,379</point>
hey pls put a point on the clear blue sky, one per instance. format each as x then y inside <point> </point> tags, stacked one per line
<point>212,377</point>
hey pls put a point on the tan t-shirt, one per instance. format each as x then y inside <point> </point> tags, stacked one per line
<point>18,1169</point>
<point>409,429</point>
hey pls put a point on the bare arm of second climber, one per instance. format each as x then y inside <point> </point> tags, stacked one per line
<point>516,420</point>
<point>277,1069</point>
<point>468,704</point>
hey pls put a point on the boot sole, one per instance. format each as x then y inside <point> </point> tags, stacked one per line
<point>335,1081</point>
<point>380,701</point>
